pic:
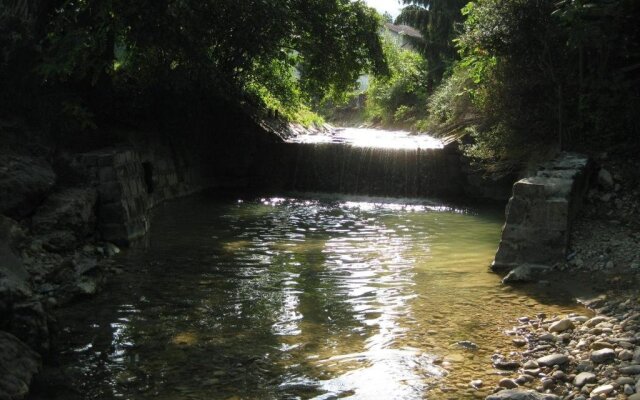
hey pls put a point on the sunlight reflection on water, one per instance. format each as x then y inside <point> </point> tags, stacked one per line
<point>288,297</point>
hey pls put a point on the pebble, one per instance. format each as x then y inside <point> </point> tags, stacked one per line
<point>625,355</point>
<point>561,326</point>
<point>630,370</point>
<point>603,355</point>
<point>507,383</point>
<point>583,378</point>
<point>595,321</point>
<point>506,364</point>
<point>625,380</point>
<point>553,359</point>
<point>547,384</point>
<point>522,379</point>
<point>629,390</point>
<point>547,337</point>
<point>559,376</point>
<point>520,342</point>
<point>599,345</point>
<point>604,389</point>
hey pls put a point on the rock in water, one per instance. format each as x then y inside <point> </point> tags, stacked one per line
<point>507,364</point>
<point>507,383</point>
<point>18,364</point>
<point>520,394</point>
<point>476,384</point>
<point>525,273</point>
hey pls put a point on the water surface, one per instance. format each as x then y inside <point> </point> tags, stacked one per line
<point>287,298</point>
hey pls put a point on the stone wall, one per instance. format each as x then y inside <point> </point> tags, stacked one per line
<point>339,168</point>
<point>131,181</point>
<point>539,214</point>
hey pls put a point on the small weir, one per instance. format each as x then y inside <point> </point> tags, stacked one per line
<point>362,161</point>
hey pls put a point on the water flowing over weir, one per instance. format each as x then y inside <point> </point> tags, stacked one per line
<point>362,161</point>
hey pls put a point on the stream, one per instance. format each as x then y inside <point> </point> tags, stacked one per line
<point>299,297</point>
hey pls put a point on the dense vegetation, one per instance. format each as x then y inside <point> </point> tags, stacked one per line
<point>74,63</point>
<point>399,98</point>
<point>537,76</point>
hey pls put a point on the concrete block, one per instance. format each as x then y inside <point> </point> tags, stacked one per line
<point>529,188</point>
<point>538,216</point>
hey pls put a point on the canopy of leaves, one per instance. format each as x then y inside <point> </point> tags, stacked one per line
<point>88,51</point>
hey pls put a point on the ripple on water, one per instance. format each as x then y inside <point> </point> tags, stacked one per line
<point>299,298</point>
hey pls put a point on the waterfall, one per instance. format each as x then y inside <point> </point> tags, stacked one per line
<point>350,168</point>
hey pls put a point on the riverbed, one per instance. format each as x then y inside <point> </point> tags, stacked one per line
<point>302,296</point>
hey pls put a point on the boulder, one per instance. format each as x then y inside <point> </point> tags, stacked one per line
<point>22,316</point>
<point>71,210</point>
<point>24,183</point>
<point>30,323</point>
<point>18,365</point>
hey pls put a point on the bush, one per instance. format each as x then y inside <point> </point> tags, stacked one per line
<point>400,98</point>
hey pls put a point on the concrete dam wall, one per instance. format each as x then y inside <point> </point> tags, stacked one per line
<point>340,168</point>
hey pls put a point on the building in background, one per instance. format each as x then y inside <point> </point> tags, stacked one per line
<point>402,36</point>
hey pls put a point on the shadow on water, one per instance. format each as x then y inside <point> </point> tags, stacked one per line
<point>299,297</point>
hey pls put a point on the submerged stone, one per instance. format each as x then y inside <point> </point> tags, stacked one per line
<point>521,394</point>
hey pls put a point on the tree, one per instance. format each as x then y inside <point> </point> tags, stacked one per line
<point>546,76</point>
<point>89,50</point>
<point>438,21</point>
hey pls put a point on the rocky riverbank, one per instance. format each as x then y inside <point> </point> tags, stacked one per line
<point>34,281</point>
<point>52,248</point>
<point>575,356</point>
<point>596,355</point>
